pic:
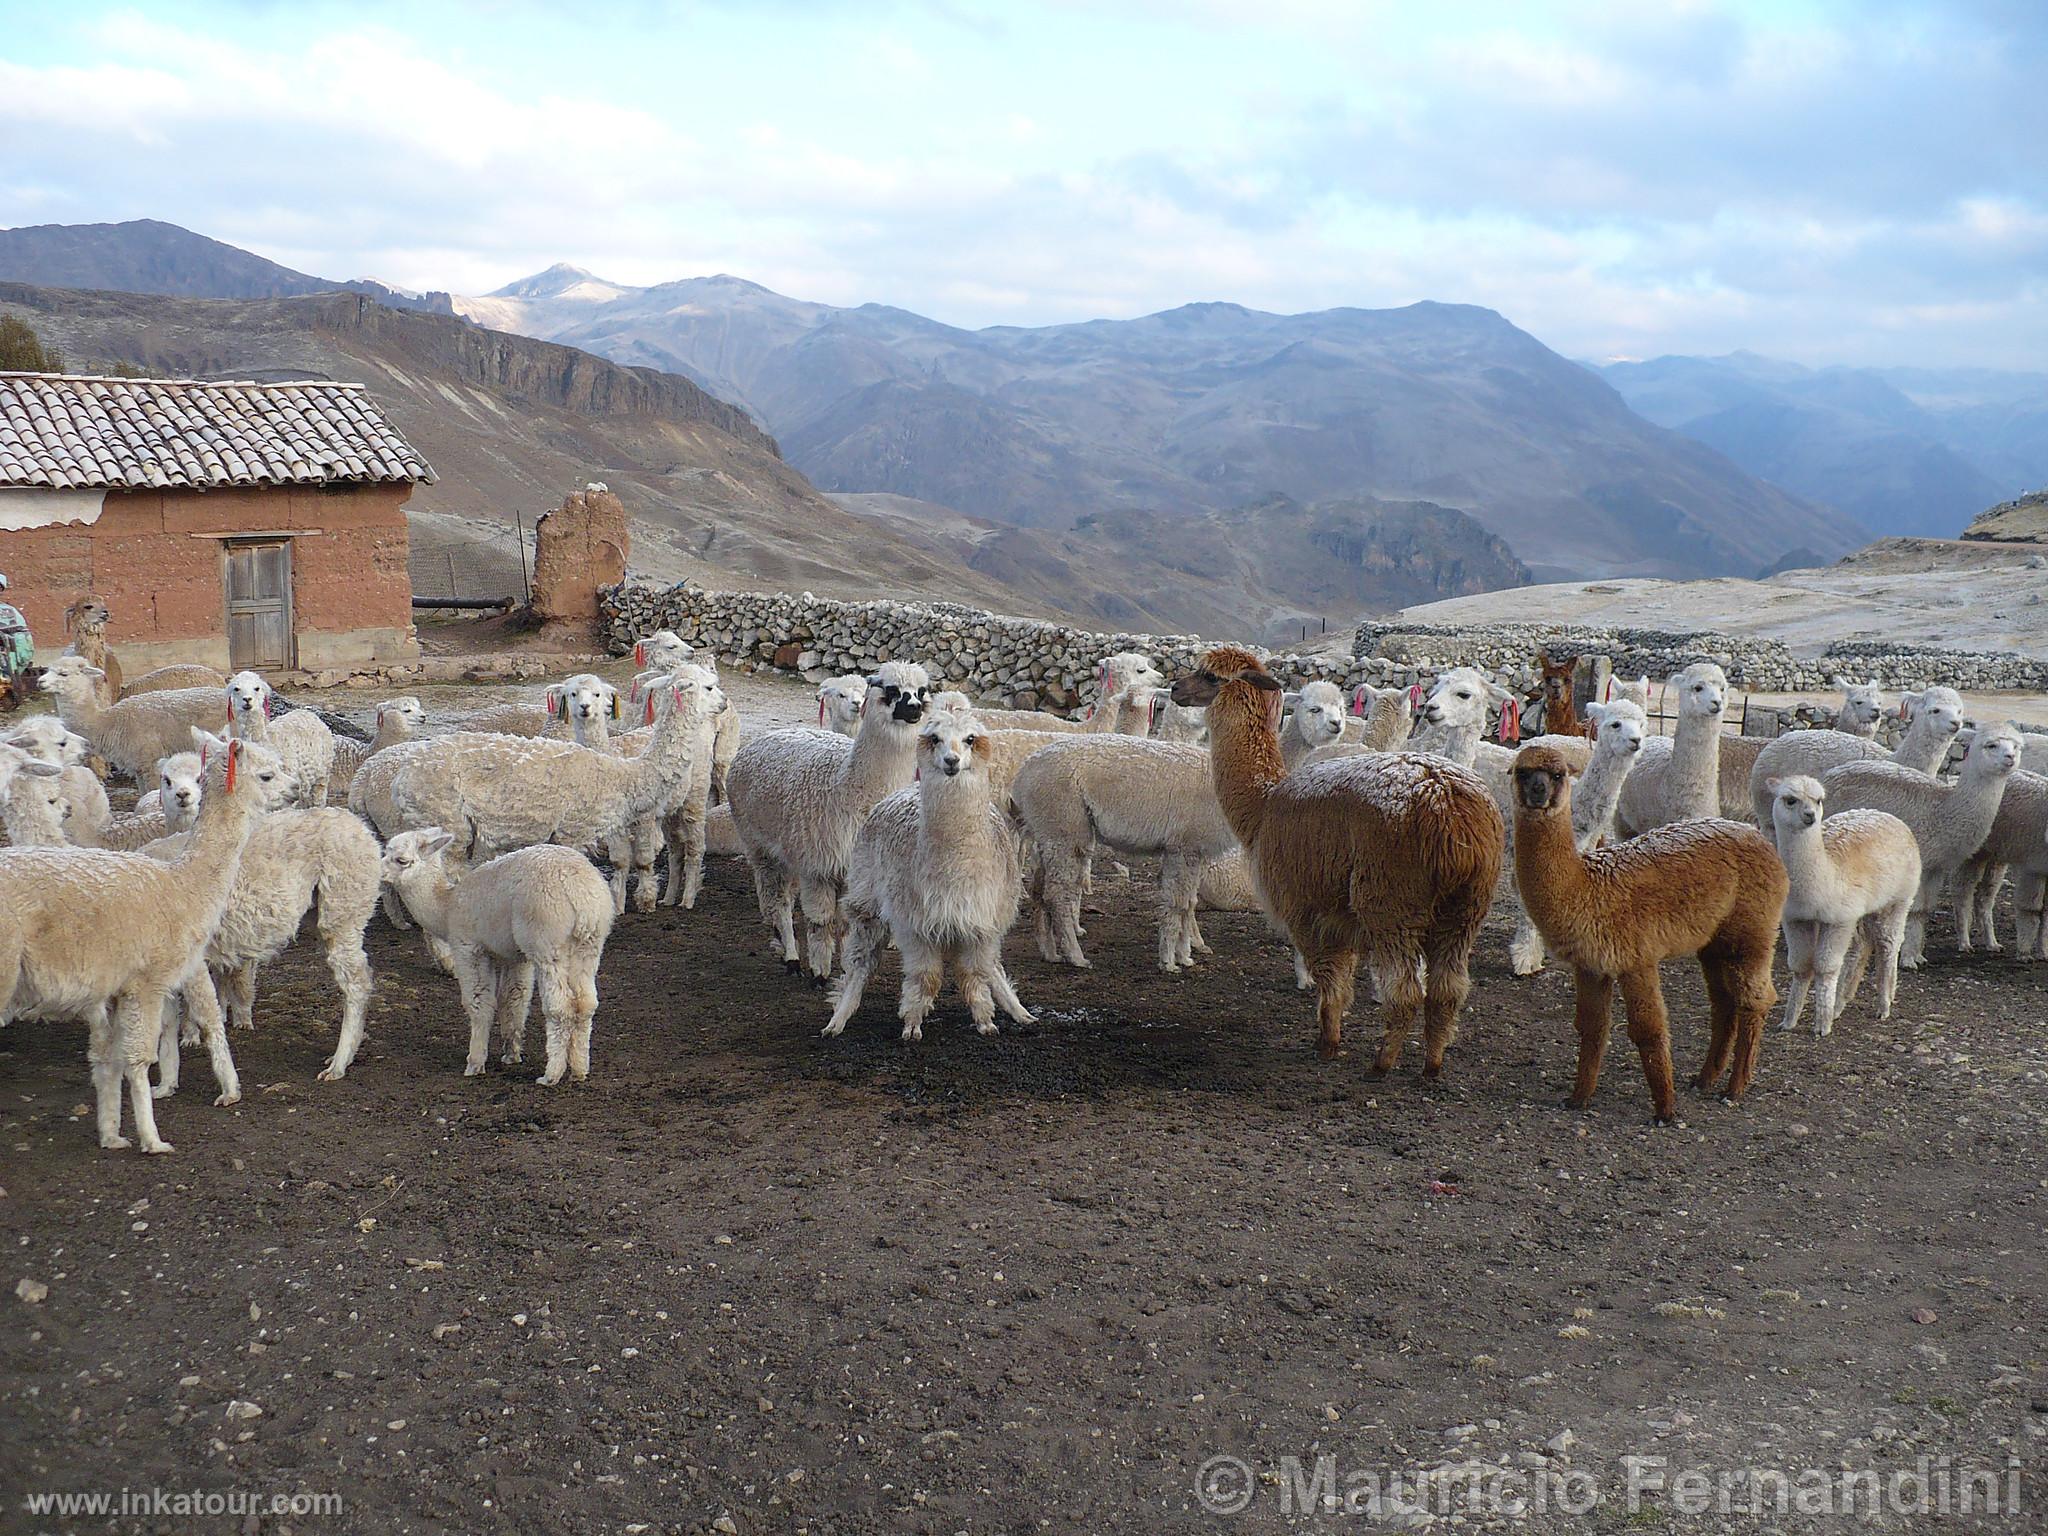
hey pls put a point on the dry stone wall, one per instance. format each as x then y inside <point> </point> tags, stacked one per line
<point>1028,663</point>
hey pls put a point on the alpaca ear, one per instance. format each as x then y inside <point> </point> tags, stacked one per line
<point>433,840</point>
<point>1597,713</point>
<point>1265,682</point>
<point>205,741</point>
<point>1498,694</point>
<point>1291,699</point>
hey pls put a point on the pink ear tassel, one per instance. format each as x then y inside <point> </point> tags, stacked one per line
<point>1415,695</point>
<point>821,709</point>
<point>640,653</point>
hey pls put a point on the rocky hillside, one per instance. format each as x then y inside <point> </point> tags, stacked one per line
<point>512,424</point>
<point>1202,408</point>
<point>2024,520</point>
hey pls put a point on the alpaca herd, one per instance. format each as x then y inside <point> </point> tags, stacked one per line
<point>1373,829</point>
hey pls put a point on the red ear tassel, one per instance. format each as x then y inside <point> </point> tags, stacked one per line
<point>266,706</point>
<point>1415,695</point>
<point>640,653</point>
<point>821,709</point>
<point>1511,721</point>
<point>650,708</point>
<point>234,756</point>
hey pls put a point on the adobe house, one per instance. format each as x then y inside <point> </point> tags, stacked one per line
<point>231,524</point>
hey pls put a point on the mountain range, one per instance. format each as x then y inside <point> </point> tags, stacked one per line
<point>1904,451</point>
<point>1205,408</point>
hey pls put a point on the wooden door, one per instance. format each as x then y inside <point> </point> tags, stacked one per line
<point>259,583</point>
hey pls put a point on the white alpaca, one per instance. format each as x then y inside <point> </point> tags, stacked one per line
<point>137,733</point>
<point>399,719</point>
<point>533,914</point>
<point>105,937</point>
<point>292,858</point>
<point>1934,717</point>
<point>32,806</point>
<point>1855,876</point>
<point>2018,841</point>
<point>677,824</point>
<point>1124,686</point>
<point>664,651</point>
<point>1381,719</point>
<point>1133,795</point>
<point>298,736</point>
<point>935,870</point>
<point>1862,708</point>
<point>46,739</point>
<point>800,797</point>
<point>1949,821</point>
<point>170,806</point>
<point>1619,730</point>
<point>1315,718</point>
<point>1454,723</point>
<point>839,703</point>
<point>1678,777</point>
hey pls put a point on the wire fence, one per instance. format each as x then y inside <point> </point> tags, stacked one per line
<point>469,560</point>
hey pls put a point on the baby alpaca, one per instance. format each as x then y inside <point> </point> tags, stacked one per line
<point>540,912</point>
<point>1618,731</point>
<point>1854,876</point>
<point>935,870</point>
<point>1703,887</point>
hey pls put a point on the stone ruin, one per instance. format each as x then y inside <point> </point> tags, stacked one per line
<point>578,550</point>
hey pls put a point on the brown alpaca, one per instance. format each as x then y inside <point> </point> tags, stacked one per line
<point>1707,887</point>
<point>86,620</point>
<point>1390,857</point>
<point>1560,709</point>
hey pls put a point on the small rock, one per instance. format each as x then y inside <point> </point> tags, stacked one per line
<point>726,1524</point>
<point>1924,1315</point>
<point>242,1408</point>
<point>33,1292</point>
<point>1561,1443</point>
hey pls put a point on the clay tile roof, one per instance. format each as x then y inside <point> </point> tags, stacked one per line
<point>69,432</point>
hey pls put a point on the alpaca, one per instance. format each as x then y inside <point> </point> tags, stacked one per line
<point>299,736</point>
<point>1678,777</point>
<point>799,799</point>
<point>1934,718</point>
<point>1560,709</point>
<point>664,651</point>
<point>1862,708</point>
<point>135,734</point>
<point>1124,686</point>
<point>839,703</point>
<point>542,912</point>
<point>105,937</point>
<point>1390,856</point>
<point>1949,821</point>
<point>1703,887</point>
<point>86,621</point>
<point>1854,876</point>
<point>1389,715</point>
<point>2018,841</point>
<point>935,870</point>
<point>1618,732</point>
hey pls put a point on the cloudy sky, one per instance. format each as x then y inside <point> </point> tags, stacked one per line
<point>1857,182</point>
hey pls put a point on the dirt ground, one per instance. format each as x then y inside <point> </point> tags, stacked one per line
<point>747,1279</point>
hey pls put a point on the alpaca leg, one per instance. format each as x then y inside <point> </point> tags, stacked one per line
<point>646,850</point>
<point>1179,881</point>
<point>1399,984</point>
<point>980,995</point>
<point>1827,975</point>
<point>557,1006</point>
<point>1196,942</point>
<point>618,852</point>
<point>1751,976</point>
<point>1860,949</point>
<point>1006,991</point>
<point>1302,979</point>
<point>2029,897</point>
<point>351,971</point>
<point>241,999</point>
<point>1648,1027</point>
<point>689,831</point>
<point>137,1019</point>
<point>1062,902</point>
<point>202,1007</point>
<point>515,1001</point>
<point>1970,880</point>
<point>583,1014</point>
<point>1987,905</point>
<point>1525,950</point>
<point>1890,938</point>
<point>821,928</point>
<point>394,910</point>
<point>1595,1017</point>
<point>167,1040</point>
<point>1444,995</point>
<point>921,980</point>
<point>865,937</point>
<point>1914,954</point>
<point>1799,938</point>
<point>103,1053</point>
<point>478,980</point>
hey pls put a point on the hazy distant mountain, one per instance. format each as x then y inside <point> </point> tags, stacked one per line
<point>1198,409</point>
<point>149,256</point>
<point>1890,448</point>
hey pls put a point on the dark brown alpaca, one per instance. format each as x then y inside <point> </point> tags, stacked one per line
<point>1391,857</point>
<point>1707,887</point>
<point>1560,710</point>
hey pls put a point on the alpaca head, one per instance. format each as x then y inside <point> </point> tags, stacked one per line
<point>1618,728</point>
<point>950,742</point>
<point>1994,753</point>
<point>1702,690</point>
<point>1220,667</point>
<point>180,779</point>
<point>35,793</point>
<point>899,691</point>
<point>1557,677</point>
<point>87,616</point>
<point>1862,705</point>
<point>689,688</point>
<point>42,738</point>
<point>1460,698</point>
<point>412,856</point>
<point>663,650</point>
<point>248,696</point>
<point>839,702</point>
<point>583,700</point>
<point>1939,710</point>
<point>1797,802</point>
<point>236,768</point>
<point>1543,781</point>
<point>1318,713</point>
<point>1125,674</point>
<point>405,707</point>
<point>70,678</point>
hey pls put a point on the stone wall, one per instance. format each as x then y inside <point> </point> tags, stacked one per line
<point>1026,663</point>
